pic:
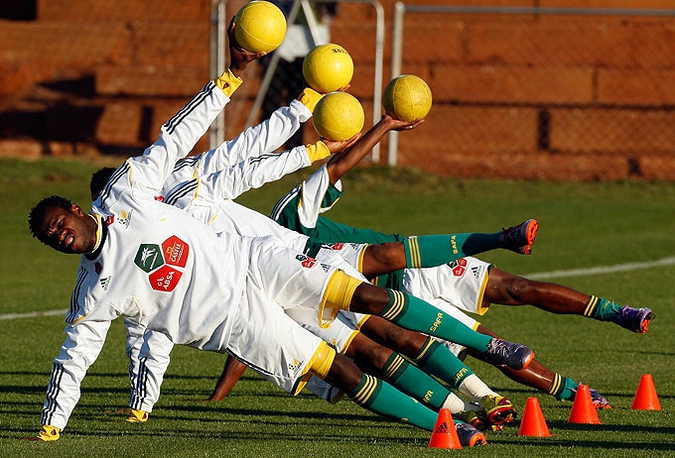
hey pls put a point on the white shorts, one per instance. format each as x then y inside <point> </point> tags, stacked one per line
<point>458,284</point>
<point>267,340</point>
<point>338,334</point>
<point>296,295</point>
<point>263,336</point>
<point>352,253</point>
<point>453,288</point>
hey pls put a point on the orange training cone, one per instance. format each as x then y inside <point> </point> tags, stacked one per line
<point>533,422</point>
<point>645,396</point>
<point>444,434</point>
<point>583,410</point>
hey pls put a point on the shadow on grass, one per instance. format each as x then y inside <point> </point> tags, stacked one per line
<point>606,446</point>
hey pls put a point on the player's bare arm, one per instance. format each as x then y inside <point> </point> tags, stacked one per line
<point>339,164</point>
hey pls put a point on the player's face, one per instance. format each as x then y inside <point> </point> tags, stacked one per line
<point>68,230</point>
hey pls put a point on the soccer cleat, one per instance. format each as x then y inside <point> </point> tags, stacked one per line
<point>475,418</point>
<point>512,355</point>
<point>469,436</point>
<point>636,320</point>
<point>520,238</point>
<point>498,409</point>
<point>599,401</point>
<point>49,433</point>
<point>137,416</point>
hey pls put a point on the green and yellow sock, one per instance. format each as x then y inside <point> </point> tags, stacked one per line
<point>382,398</point>
<point>563,388</point>
<point>411,380</point>
<point>415,314</point>
<point>436,359</point>
<point>601,309</point>
<point>436,250</point>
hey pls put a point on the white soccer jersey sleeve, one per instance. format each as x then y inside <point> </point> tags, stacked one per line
<point>232,182</point>
<point>255,141</point>
<point>177,138</point>
<point>312,198</point>
<point>149,357</point>
<point>81,348</point>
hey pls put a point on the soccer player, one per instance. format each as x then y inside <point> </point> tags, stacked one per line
<point>158,266</point>
<point>212,204</point>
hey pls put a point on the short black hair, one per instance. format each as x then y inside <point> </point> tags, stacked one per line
<point>37,214</point>
<point>99,179</point>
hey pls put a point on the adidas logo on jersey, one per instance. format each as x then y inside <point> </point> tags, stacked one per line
<point>476,271</point>
<point>105,282</point>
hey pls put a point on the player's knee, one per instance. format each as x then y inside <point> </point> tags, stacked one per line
<point>519,287</point>
<point>384,258</point>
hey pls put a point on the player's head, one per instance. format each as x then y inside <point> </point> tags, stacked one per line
<point>63,225</point>
<point>99,179</point>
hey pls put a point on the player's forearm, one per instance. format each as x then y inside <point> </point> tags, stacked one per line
<point>147,370</point>
<point>231,374</point>
<point>253,173</point>
<point>63,393</point>
<point>82,346</point>
<point>339,164</point>
<point>177,138</point>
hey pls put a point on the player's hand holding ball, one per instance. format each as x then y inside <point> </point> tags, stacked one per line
<point>407,98</point>
<point>398,125</point>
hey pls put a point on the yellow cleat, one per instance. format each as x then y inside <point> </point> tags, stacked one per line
<point>137,416</point>
<point>498,409</point>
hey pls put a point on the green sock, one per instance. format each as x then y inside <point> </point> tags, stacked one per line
<point>380,397</point>
<point>411,380</point>
<point>415,314</point>
<point>562,388</point>
<point>436,250</point>
<point>601,309</point>
<point>435,359</point>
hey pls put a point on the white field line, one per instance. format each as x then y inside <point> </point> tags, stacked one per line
<point>16,316</point>
<point>534,276</point>
<point>602,269</point>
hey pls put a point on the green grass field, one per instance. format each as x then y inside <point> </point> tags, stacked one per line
<point>583,226</point>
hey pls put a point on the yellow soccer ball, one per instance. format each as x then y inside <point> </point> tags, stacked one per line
<point>260,26</point>
<point>407,97</point>
<point>338,116</point>
<point>328,68</point>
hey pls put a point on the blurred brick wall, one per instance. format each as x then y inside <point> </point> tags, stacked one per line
<point>565,97</point>
<point>99,75</point>
<point>102,76</point>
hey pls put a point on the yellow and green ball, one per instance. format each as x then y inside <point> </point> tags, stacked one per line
<point>327,68</point>
<point>338,116</point>
<point>260,26</point>
<point>407,97</point>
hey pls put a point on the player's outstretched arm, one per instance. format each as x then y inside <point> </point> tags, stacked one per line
<point>340,164</point>
<point>82,346</point>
